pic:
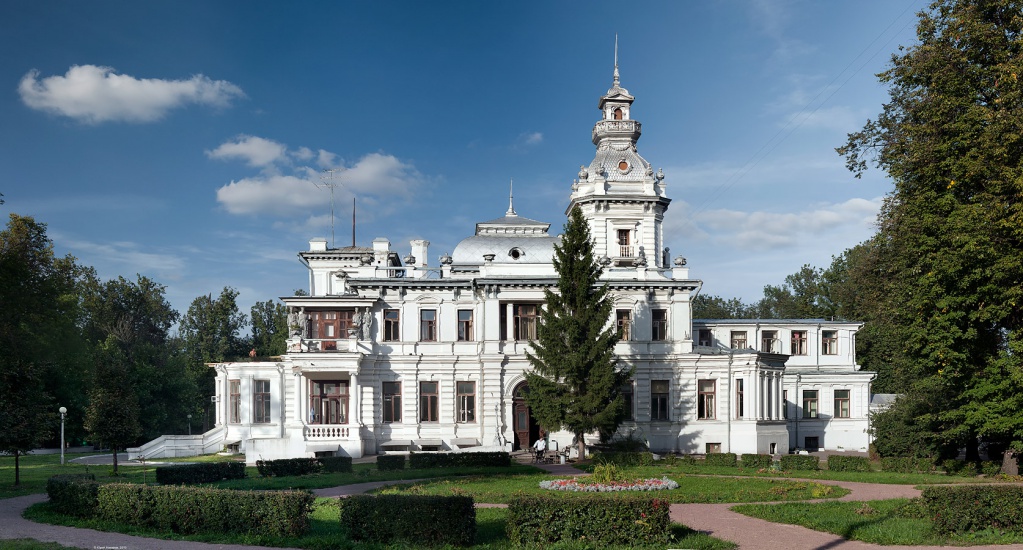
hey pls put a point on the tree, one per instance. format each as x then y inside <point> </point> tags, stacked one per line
<point>709,306</point>
<point>113,413</point>
<point>576,384</point>
<point>952,229</point>
<point>269,328</point>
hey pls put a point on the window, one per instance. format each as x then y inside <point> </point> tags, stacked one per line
<point>659,399</point>
<point>392,402</point>
<point>829,342</point>
<point>623,320</point>
<point>798,342</point>
<point>466,401</point>
<point>738,397</point>
<point>841,403</point>
<point>809,403</point>
<point>785,403</point>
<point>525,321</point>
<point>812,443</point>
<point>331,326</point>
<point>738,339</point>
<point>328,402</point>
<point>618,113</point>
<point>712,448</point>
<point>392,325</point>
<point>624,246</point>
<point>428,402</point>
<point>465,325</point>
<point>627,397</point>
<point>705,403</point>
<point>769,342</point>
<point>659,325</point>
<point>705,338</point>
<point>261,401</point>
<point>236,401</point>
<point>428,325</point>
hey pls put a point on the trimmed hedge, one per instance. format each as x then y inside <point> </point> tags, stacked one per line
<point>391,462</point>
<point>204,472</point>
<point>968,508</point>
<point>288,467</point>
<point>624,458</point>
<point>419,520</point>
<point>720,459</point>
<point>906,465</point>
<point>73,494</point>
<point>598,519</point>
<point>757,461</point>
<point>418,461</point>
<point>954,467</point>
<point>840,463</point>
<point>332,464</point>
<point>191,510</point>
<point>800,462</point>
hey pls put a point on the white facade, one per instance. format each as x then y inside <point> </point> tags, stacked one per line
<point>390,354</point>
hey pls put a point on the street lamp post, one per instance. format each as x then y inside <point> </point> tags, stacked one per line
<point>189,424</point>
<point>63,413</point>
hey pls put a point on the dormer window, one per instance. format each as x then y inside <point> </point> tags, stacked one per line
<point>516,253</point>
<point>618,113</point>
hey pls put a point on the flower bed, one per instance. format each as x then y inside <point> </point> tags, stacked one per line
<point>632,485</point>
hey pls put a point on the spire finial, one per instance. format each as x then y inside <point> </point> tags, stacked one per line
<point>511,207</point>
<point>616,59</point>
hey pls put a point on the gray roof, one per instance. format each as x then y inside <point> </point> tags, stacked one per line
<point>532,249</point>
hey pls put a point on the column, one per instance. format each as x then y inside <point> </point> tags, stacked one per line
<point>356,418</point>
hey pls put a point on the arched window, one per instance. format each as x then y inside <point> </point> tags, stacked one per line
<point>618,113</point>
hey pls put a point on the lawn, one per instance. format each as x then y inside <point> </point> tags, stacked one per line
<point>888,522</point>
<point>36,469</point>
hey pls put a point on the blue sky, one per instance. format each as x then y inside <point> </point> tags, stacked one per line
<point>183,140</point>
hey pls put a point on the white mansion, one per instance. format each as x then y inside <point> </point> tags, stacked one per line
<point>391,354</point>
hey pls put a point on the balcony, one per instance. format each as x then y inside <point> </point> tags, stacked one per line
<point>314,432</point>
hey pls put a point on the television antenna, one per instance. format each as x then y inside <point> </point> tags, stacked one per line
<point>330,180</point>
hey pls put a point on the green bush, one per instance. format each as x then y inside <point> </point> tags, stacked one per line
<point>840,463</point>
<point>624,458</point>
<point>906,465</point>
<point>800,462</point>
<point>73,494</point>
<point>597,519</point>
<point>203,472</point>
<point>418,520</point>
<point>333,464</point>
<point>968,508</point>
<point>990,468</point>
<point>955,467</point>
<point>608,473</point>
<point>391,462</point>
<point>190,510</point>
<point>458,460</point>
<point>757,462</point>
<point>720,459</point>
<point>288,467</point>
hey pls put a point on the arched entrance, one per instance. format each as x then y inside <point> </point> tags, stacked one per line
<point>526,429</point>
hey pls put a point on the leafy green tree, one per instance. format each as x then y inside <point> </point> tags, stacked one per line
<point>576,383</point>
<point>709,306</point>
<point>269,328</point>
<point>113,414</point>
<point>950,140</point>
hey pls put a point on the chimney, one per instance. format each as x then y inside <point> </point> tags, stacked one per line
<point>420,250</point>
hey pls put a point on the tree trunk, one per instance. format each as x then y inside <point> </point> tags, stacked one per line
<point>1010,466</point>
<point>17,470</point>
<point>114,449</point>
<point>581,443</point>
<point>972,449</point>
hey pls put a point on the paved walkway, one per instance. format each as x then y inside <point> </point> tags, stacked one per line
<point>714,519</point>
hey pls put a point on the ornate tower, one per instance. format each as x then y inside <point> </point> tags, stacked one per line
<point>618,192</point>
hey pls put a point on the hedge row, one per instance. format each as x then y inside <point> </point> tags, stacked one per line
<point>800,462</point>
<point>624,458</point>
<point>391,462</point>
<point>840,463</point>
<point>288,467</point>
<point>622,519</point>
<point>204,472</point>
<point>418,520</point>
<point>191,510</point>
<point>964,468</point>
<point>757,461</point>
<point>73,494</point>
<point>906,465</point>
<point>336,464</point>
<point>721,459</point>
<point>968,508</point>
<point>453,460</point>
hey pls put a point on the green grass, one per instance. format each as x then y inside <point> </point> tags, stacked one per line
<point>692,489</point>
<point>30,544</point>
<point>364,473</point>
<point>893,478</point>
<point>888,522</point>
<point>36,469</point>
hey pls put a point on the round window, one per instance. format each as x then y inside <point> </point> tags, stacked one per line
<point>623,166</point>
<point>515,253</point>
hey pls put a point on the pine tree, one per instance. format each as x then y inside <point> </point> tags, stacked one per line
<point>576,384</point>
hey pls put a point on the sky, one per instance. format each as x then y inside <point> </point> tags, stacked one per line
<point>189,141</point>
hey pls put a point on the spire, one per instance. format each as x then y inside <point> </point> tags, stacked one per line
<point>511,207</point>
<point>616,83</point>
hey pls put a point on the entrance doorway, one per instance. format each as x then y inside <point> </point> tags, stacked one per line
<point>526,429</point>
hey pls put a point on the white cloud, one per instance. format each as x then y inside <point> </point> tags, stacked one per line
<point>124,257</point>
<point>256,151</point>
<point>94,94</point>
<point>531,138</point>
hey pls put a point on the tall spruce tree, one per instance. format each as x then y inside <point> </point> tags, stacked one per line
<point>576,384</point>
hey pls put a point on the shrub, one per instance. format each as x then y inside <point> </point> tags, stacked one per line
<point>336,463</point>
<point>204,472</point>
<point>413,519</point>
<point>906,465</point>
<point>191,510</point>
<point>418,461</point>
<point>955,467</point>
<point>624,458</point>
<point>990,467</point>
<point>391,462</point>
<point>839,463</point>
<point>720,459</point>
<point>800,462</point>
<point>968,508</point>
<point>627,520</point>
<point>288,467</point>
<point>757,462</point>
<point>607,473</point>
<point>73,494</point>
